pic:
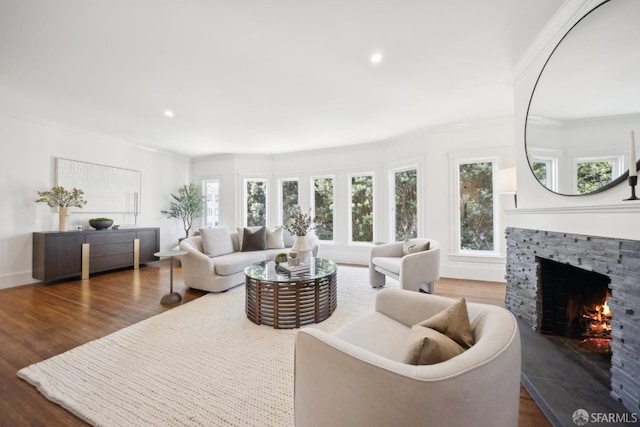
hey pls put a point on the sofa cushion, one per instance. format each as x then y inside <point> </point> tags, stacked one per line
<point>454,323</point>
<point>254,240</point>
<point>388,263</point>
<point>229,264</point>
<point>427,346</point>
<point>275,238</point>
<point>412,246</point>
<point>216,241</point>
<point>240,231</point>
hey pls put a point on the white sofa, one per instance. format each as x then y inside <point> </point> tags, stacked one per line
<point>356,377</point>
<point>217,274</point>
<point>412,271</point>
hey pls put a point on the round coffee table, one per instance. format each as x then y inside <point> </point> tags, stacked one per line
<point>283,300</point>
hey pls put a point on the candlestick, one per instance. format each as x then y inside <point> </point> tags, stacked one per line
<point>633,171</point>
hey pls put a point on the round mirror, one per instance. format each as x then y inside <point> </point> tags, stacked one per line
<point>586,103</point>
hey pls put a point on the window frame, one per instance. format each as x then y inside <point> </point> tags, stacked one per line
<point>245,181</point>
<point>312,181</point>
<point>215,203</point>
<point>350,177</point>
<point>280,204</point>
<point>392,199</point>
<point>455,233</point>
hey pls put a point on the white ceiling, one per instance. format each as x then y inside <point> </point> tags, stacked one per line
<point>255,76</point>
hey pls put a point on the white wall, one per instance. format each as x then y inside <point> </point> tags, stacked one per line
<point>602,214</point>
<point>27,165</point>
<point>429,150</point>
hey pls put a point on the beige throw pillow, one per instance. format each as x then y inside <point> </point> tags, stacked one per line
<point>454,323</point>
<point>428,346</point>
<point>216,241</point>
<point>275,238</point>
<point>412,246</point>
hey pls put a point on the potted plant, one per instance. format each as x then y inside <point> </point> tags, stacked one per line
<point>64,200</point>
<point>186,205</point>
<point>299,225</point>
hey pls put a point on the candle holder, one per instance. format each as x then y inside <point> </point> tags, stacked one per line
<point>633,181</point>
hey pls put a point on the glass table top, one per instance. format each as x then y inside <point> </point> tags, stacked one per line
<point>268,271</point>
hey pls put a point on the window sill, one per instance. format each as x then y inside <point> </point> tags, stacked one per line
<point>493,258</point>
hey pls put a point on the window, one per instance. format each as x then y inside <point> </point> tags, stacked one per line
<point>544,171</point>
<point>404,184</point>
<point>211,208</point>
<point>594,173</point>
<point>476,206</point>
<point>362,208</point>
<point>256,202</point>
<point>288,197</point>
<point>323,207</point>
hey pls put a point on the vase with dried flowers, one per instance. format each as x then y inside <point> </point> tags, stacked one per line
<point>64,200</point>
<point>299,225</point>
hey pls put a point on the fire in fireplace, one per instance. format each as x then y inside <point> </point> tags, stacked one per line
<point>597,328</point>
<point>574,305</point>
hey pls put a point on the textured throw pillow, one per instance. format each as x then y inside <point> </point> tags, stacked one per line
<point>428,346</point>
<point>254,240</point>
<point>275,238</point>
<point>412,246</point>
<point>216,241</point>
<point>240,231</point>
<point>454,323</point>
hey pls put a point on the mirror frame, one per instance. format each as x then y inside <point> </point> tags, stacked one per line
<point>621,178</point>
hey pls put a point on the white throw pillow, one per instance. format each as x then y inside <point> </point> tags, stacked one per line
<point>275,238</point>
<point>216,241</point>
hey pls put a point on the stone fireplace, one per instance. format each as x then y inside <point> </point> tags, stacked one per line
<point>580,271</point>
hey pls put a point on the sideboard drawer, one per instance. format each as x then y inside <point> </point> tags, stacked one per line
<point>108,237</point>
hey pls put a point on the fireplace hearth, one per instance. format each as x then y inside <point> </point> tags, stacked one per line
<point>585,274</point>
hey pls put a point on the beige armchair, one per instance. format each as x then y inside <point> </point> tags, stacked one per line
<point>356,377</point>
<point>414,271</point>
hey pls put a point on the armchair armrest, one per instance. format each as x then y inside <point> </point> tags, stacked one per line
<point>409,308</point>
<point>420,267</point>
<point>387,249</point>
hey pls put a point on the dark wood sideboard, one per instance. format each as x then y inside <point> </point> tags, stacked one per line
<point>60,255</point>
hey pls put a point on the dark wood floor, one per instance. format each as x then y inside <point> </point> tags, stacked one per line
<point>40,321</point>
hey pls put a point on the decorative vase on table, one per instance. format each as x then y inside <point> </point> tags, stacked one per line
<point>302,246</point>
<point>63,219</point>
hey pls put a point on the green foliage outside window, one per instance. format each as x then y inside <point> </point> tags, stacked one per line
<point>323,206</point>
<point>256,203</point>
<point>362,209</point>
<point>540,172</point>
<point>593,176</point>
<point>289,198</point>
<point>476,206</point>
<point>406,204</point>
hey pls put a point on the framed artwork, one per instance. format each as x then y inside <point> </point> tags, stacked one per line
<point>107,189</point>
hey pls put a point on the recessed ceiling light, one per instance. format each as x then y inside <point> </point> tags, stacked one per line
<point>376,58</point>
<point>168,113</point>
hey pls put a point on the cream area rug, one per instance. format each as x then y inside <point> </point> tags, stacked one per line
<point>199,364</point>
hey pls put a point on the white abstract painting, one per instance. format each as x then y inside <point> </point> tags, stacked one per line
<point>107,189</point>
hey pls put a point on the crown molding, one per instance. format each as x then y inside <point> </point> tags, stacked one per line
<point>558,26</point>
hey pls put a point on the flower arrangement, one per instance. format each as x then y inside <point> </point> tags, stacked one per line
<point>300,223</point>
<point>59,197</point>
